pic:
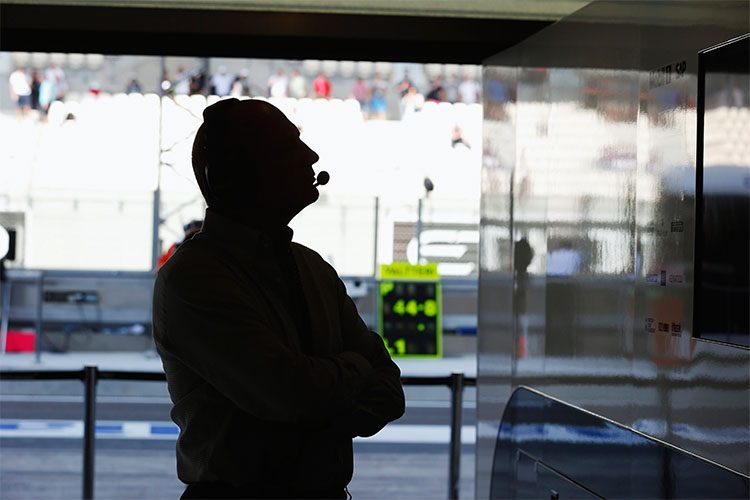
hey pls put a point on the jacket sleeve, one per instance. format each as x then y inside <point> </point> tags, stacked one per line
<point>382,399</point>
<point>223,332</point>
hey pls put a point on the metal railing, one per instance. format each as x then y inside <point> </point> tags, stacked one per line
<point>90,375</point>
<point>123,298</point>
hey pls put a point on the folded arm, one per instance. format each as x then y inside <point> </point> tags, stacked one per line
<point>223,332</point>
<point>382,398</point>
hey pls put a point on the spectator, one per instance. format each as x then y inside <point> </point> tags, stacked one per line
<point>277,84</point>
<point>182,82</point>
<point>378,105</point>
<point>35,83</point>
<point>46,96</point>
<point>469,91</point>
<point>523,255</point>
<point>57,75</point>
<point>411,102</point>
<point>361,92</point>
<point>20,90</point>
<point>497,91</point>
<point>240,86</point>
<point>189,230</point>
<point>565,260</point>
<point>221,82</point>
<point>563,263</point>
<point>498,94</point>
<point>437,91</point>
<point>457,137</point>
<point>134,87</point>
<point>322,86</point>
<point>404,85</point>
<point>197,83</point>
<point>297,85</point>
<point>451,88</point>
<point>95,89</point>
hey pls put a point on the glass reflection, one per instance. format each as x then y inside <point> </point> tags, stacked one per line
<point>723,284</point>
<point>588,233</point>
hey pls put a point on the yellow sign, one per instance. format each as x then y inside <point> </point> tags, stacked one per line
<point>406,271</point>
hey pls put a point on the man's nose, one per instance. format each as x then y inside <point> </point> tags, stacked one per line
<point>313,155</point>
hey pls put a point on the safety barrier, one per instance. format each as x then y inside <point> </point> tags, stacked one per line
<point>90,375</point>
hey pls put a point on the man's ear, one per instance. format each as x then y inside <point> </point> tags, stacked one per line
<point>200,162</point>
<point>233,176</point>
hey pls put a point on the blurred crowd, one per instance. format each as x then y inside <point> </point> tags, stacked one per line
<point>373,94</point>
<point>38,89</point>
<point>379,96</point>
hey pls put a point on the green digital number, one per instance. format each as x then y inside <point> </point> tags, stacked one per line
<point>386,287</point>
<point>400,346</point>
<point>399,308</point>
<point>387,346</point>
<point>430,308</point>
<point>411,307</point>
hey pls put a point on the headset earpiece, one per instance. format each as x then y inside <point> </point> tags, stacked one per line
<point>222,156</point>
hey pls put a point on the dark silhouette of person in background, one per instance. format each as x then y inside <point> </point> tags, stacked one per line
<point>189,230</point>
<point>523,254</point>
<point>563,298</point>
<point>457,137</point>
<point>270,368</point>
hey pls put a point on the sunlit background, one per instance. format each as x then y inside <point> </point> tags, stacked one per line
<point>87,185</point>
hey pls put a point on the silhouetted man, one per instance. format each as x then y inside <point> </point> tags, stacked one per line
<point>270,368</point>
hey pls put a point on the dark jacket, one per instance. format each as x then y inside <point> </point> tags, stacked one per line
<point>253,407</point>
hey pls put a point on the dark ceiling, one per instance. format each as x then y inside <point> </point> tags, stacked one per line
<point>252,34</point>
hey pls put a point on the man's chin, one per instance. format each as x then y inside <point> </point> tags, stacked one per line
<point>308,199</point>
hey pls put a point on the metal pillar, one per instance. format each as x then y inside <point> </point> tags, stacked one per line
<point>39,323</point>
<point>454,464</point>
<point>5,314</point>
<point>419,230</point>
<point>375,237</point>
<point>89,430</point>
<point>155,225</point>
<point>156,222</point>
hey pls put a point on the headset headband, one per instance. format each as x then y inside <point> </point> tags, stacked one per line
<point>215,119</point>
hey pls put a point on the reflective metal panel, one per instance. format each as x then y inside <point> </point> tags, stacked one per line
<point>588,229</point>
<point>558,449</point>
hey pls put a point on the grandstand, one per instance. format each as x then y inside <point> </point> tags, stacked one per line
<point>85,180</point>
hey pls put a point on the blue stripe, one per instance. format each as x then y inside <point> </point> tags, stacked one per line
<point>58,425</point>
<point>7,427</point>
<point>169,430</point>
<point>109,428</point>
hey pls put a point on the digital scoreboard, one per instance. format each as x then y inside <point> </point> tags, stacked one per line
<point>410,310</point>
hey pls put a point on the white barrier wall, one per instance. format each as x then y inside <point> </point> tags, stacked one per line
<point>90,172</point>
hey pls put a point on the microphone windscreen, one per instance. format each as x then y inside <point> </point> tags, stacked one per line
<point>323,177</point>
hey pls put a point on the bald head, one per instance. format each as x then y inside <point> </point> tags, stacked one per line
<point>225,146</point>
<point>241,147</point>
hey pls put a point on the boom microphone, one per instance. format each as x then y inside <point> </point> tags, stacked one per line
<point>322,178</point>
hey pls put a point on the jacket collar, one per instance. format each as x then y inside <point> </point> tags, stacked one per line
<point>254,242</point>
<point>221,227</point>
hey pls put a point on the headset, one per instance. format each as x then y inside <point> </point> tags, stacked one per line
<point>214,121</point>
